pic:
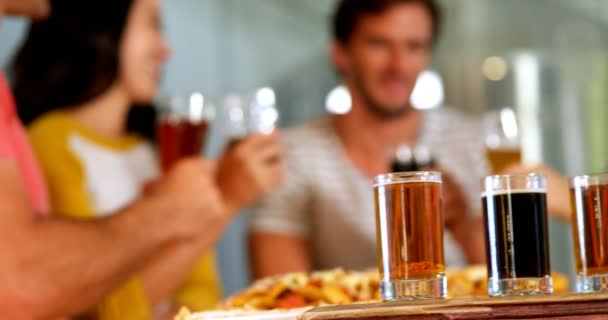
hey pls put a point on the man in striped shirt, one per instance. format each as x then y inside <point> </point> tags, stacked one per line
<point>324,216</point>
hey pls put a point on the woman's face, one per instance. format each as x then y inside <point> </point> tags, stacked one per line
<point>143,52</point>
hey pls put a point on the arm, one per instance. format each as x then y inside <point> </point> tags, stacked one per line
<point>465,226</point>
<point>273,253</point>
<point>469,233</point>
<point>280,221</point>
<point>168,271</point>
<point>36,250</point>
<point>246,171</point>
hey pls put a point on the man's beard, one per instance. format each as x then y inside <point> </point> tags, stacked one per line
<point>379,110</point>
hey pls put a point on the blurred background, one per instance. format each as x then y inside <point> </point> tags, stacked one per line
<point>547,59</point>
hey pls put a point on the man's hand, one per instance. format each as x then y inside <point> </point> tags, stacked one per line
<point>249,169</point>
<point>460,221</point>
<point>455,205</point>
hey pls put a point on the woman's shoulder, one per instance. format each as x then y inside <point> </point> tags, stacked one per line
<point>59,130</point>
<point>50,128</point>
<point>49,136</point>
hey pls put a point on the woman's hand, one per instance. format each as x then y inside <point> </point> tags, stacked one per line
<point>248,169</point>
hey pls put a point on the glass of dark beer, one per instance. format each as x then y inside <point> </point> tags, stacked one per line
<point>515,214</point>
<point>589,198</point>
<point>182,127</point>
<point>409,229</point>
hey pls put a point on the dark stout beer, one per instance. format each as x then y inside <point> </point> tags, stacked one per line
<point>516,234</point>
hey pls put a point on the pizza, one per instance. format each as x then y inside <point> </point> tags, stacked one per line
<point>297,292</point>
<point>339,286</point>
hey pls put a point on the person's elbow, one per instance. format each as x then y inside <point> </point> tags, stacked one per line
<point>19,302</point>
<point>25,297</point>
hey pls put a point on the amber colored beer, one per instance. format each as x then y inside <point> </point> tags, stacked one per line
<point>501,158</point>
<point>409,224</point>
<point>590,228</point>
<point>179,138</point>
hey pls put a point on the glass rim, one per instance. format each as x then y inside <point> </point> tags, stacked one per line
<point>407,177</point>
<point>189,106</point>
<point>486,183</point>
<point>586,180</point>
<point>514,175</point>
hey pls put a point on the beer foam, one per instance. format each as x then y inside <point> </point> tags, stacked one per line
<point>513,191</point>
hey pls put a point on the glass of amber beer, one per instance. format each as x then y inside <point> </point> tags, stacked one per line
<point>182,127</point>
<point>502,139</point>
<point>589,198</point>
<point>409,228</point>
<point>515,216</point>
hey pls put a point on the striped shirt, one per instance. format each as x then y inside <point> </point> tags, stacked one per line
<point>329,201</point>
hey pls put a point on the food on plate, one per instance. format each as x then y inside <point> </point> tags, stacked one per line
<point>299,291</point>
<point>472,282</point>
<point>296,290</point>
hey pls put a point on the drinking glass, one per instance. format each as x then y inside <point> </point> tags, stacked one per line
<point>242,115</point>
<point>182,128</point>
<point>503,147</point>
<point>409,228</point>
<point>515,216</point>
<point>589,198</point>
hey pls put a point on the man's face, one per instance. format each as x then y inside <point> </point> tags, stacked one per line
<point>384,56</point>
<point>35,9</point>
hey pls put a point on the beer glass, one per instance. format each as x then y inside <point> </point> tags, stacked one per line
<point>502,139</point>
<point>589,198</point>
<point>242,115</point>
<point>409,229</point>
<point>182,128</point>
<point>515,216</point>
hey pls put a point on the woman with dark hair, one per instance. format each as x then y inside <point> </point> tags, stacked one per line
<point>76,80</point>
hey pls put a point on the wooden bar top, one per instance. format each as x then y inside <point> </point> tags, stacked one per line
<point>573,306</point>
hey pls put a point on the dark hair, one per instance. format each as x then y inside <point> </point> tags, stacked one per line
<point>349,12</point>
<point>71,57</point>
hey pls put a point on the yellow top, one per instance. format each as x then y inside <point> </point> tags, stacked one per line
<point>90,177</point>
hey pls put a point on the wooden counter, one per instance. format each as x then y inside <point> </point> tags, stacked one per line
<point>539,307</point>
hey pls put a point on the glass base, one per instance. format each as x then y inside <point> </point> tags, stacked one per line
<point>592,284</point>
<point>520,286</point>
<point>434,288</point>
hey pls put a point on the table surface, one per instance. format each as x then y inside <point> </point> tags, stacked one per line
<point>563,307</point>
